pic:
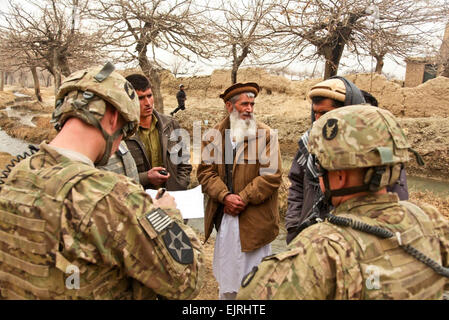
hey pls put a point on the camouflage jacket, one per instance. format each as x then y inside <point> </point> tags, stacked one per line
<point>326,261</point>
<point>61,218</point>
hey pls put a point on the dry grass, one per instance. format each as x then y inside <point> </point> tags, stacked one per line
<point>210,287</point>
<point>441,203</point>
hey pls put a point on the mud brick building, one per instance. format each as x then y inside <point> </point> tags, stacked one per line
<point>421,69</point>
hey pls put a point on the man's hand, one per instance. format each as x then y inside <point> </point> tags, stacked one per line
<point>233,204</point>
<point>157,179</point>
<point>166,201</point>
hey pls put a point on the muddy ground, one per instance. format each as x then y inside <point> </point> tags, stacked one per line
<point>283,106</point>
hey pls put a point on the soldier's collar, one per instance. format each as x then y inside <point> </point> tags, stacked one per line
<point>360,205</point>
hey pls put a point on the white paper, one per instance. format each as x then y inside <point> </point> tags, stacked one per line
<point>189,202</point>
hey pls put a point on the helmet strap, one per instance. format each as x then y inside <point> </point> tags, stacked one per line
<point>109,142</point>
<point>107,137</point>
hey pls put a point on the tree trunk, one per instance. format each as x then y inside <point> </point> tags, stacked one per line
<point>150,71</point>
<point>64,66</point>
<point>333,56</point>
<point>2,80</point>
<point>57,81</point>
<point>234,71</point>
<point>56,72</point>
<point>379,64</point>
<point>329,70</point>
<point>333,48</point>
<point>156,89</point>
<point>237,61</point>
<point>37,86</point>
<point>22,79</point>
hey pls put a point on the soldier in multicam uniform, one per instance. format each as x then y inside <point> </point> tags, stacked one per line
<point>71,231</point>
<point>371,246</point>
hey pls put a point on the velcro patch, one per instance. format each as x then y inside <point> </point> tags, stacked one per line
<point>249,276</point>
<point>158,219</point>
<point>178,244</point>
<point>330,130</point>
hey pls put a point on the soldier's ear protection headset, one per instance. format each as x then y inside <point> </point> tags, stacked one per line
<point>375,178</point>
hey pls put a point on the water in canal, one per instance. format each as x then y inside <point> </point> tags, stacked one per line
<point>12,145</point>
<point>23,114</point>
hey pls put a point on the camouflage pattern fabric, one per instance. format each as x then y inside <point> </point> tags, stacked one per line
<point>330,262</point>
<point>58,215</point>
<point>122,162</point>
<point>356,137</point>
<point>84,94</point>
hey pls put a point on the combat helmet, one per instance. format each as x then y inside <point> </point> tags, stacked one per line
<point>360,136</point>
<point>84,95</point>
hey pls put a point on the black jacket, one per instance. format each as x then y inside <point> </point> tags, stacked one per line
<point>181,97</point>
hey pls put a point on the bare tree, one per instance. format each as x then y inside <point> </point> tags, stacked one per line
<point>46,37</point>
<point>178,67</point>
<point>380,43</point>
<point>15,54</point>
<point>139,28</point>
<point>4,64</point>
<point>239,33</point>
<point>329,26</point>
<point>443,53</point>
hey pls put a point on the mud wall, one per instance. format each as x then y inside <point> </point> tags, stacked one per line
<point>426,100</point>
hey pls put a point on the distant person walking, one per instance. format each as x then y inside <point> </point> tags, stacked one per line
<point>181,97</point>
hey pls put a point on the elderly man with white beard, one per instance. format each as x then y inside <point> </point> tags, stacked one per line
<point>241,174</point>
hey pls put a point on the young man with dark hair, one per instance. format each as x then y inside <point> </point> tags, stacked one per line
<point>153,144</point>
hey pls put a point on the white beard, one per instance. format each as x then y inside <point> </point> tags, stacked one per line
<point>242,128</point>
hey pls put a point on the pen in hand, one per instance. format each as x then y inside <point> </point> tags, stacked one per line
<point>160,193</point>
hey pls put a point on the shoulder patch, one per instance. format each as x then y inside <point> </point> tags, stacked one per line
<point>129,90</point>
<point>249,276</point>
<point>178,244</point>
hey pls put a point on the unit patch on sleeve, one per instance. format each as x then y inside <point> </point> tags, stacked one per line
<point>178,244</point>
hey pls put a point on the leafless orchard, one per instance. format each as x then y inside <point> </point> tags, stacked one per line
<point>63,36</point>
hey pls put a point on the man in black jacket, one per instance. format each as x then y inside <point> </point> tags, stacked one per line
<point>181,97</point>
